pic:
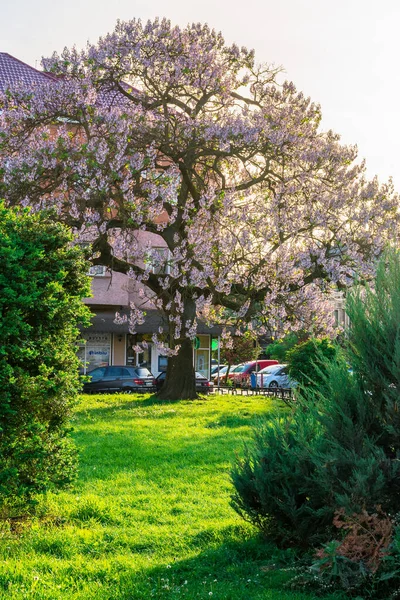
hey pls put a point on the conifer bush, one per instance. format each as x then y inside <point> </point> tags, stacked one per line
<point>339,447</point>
<point>43,279</point>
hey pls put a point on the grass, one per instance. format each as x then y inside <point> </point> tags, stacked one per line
<point>149,516</point>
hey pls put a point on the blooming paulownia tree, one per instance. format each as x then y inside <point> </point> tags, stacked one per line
<point>171,131</point>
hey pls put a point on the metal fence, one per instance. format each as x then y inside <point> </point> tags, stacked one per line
<point>285,394</point>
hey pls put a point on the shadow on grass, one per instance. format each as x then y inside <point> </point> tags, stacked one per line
<point>111,402</point>
<point>226,568</point>
<point>233,421</point>
<point>135,400</point>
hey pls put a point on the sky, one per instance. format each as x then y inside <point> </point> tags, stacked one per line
<point>344,54</point>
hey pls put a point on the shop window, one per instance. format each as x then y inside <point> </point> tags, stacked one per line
<point>142,359</point>
<point>202,355</point>
<point>96,352</point>
<point>97,270</point>
<point>158,258</point>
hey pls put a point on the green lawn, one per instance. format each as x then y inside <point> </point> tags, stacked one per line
<point>149,516</point>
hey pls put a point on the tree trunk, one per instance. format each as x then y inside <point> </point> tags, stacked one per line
<point>180,383</point>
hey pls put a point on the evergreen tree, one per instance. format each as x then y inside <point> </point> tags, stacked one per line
<point>43,279</point>
<point>340,445</point>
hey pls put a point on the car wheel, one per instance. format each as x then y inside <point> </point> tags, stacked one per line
<point>273,385</point>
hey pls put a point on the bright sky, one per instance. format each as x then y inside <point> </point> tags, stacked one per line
<point>343,53</point>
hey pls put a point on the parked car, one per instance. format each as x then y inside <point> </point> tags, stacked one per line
<point>275,376</point>
<point>216,368</point>
<point>240,375</point>
<point>222,371</point>
<point>203,385</point>
<point>119,379</point>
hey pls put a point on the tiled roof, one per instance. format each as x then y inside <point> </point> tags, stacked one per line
<point>13,72</point>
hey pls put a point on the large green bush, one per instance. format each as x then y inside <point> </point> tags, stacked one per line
<point>339,448</point>
<point>306,360</point>
<point>42,282</point>
<point>278,350</point>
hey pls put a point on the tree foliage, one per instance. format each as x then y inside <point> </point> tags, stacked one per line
<point>42,280</point>
<point>243,348</point>
<point>173,132</point>
<point>339,448</point>
<point>307,360</point>
<point>279,348</point>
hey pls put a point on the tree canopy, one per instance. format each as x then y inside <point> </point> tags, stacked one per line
<point>243,348</point>
<point>171,131</point>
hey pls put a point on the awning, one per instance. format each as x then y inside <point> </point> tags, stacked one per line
<point>103,321</point>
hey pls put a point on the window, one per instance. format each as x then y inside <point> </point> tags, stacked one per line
<point>158,259</point>
<point>94,270</point>
<point>162,363</point>
<point>98,373</point>
<point>95,351</point>
<point>97,270</point>
<point>114,372</point>
<point>141,372</point>
<point>143,358</point>
<point>127,373</point>
<point>202,355</point>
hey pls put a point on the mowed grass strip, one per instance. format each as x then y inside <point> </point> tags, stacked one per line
<point>149,516</point>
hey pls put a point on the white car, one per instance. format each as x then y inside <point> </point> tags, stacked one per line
<point>216,368</point>
<point>275,376</point>
<point>222,373</point>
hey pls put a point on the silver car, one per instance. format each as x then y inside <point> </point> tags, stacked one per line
<point>275,376</point>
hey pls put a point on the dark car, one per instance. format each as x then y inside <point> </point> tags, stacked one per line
<point>202,384</point>
<point>119,379</point>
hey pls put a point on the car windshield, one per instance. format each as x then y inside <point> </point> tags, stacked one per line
<point>270,369</point>
<point>221,369</point>
<point>239,369</point>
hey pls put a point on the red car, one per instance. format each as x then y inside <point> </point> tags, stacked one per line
<point>240,375</point>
